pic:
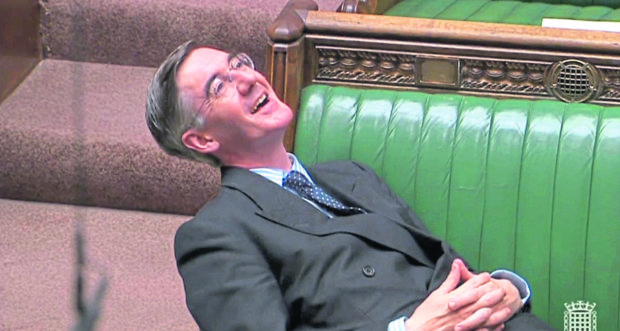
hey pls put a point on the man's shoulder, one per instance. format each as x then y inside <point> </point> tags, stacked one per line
<point>227,200</point>
<point>241,193</point>
<point>223,213</point>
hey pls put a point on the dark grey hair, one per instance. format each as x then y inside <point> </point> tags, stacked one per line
<point>168,114</point>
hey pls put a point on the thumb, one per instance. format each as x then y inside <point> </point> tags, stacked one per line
<point>452,281</point>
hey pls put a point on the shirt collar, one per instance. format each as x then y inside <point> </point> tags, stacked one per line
<point>276,175</point>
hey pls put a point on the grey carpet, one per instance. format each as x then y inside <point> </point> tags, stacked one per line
<point>143,32</point>
<point>75,133</point>
<point>134,250</point>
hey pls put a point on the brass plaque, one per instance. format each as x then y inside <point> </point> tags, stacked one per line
<point>438,71</point>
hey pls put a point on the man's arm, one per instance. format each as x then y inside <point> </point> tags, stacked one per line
<point>228,284</point>
<point>472,304</point>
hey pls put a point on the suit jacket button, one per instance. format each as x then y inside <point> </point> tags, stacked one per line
<point>368,271</point>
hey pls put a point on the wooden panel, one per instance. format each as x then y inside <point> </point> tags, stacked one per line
<point>510,35</point>
<point>19,42</point>
<point>489,71</point>
<point>498,60</point>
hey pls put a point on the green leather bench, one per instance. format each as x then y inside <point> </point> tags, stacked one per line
<point>509,176</point>
<point>508,11</point>
<point>527,185</point>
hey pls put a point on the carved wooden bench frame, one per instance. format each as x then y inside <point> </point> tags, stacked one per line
<point>500,60</point>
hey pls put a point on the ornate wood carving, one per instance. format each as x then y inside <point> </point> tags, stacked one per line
<point>611,90</point>
<point>503,76</point>
<point>393,68</point>
<point>499,60</point>
<point>364,66</point>
<point>481,75</point>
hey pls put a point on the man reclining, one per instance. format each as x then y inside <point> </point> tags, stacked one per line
<point>284,247</point>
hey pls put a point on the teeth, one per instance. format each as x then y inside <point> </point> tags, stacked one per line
<point>260,101</point>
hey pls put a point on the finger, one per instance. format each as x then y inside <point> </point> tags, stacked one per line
<point>499,317</point>
<point>482,294</point>
<point>513,298</point>
<point>465,273</point>
<point>497,328</point>
<point>485,287</point>
<point>474,320</point>
<point>492,298</point>
<point>464,299</point>
<point>453,279</point>
<point>476,281</point>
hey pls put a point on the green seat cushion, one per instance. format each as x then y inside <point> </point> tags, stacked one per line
<point>512,12</point>
<point>531,186</point>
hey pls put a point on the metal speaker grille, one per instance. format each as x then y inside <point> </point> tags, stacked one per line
<point>573,81</point>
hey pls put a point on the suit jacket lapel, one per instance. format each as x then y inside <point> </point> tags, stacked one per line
<point>278,205</point>
<point>274,203</point>
<point>353,187</point>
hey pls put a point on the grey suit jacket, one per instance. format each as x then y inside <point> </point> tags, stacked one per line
<point>258,257</point>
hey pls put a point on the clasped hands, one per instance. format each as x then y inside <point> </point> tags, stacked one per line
<point>480,303</point>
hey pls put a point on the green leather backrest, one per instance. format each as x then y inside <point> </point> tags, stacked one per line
<point>532,186</point>
<point>505,11</point>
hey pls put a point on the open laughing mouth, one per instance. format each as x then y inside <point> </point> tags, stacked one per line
<point>262,101</point>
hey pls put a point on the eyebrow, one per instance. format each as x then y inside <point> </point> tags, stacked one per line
<point>207,86</point>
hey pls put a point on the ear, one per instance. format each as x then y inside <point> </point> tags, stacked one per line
<point>200,142</point>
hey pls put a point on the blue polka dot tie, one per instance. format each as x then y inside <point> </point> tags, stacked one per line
<point>297,182</point>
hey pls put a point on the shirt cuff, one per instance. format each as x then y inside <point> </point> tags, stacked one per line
<point>516,280</point>
<point>397,324</point>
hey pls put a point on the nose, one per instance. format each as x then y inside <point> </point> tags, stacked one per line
<point>244,80</point>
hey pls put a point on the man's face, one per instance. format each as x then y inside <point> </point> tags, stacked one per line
<point>239,106</point>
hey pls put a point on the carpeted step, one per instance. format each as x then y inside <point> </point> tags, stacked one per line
<point>75,133</point>
<point>133,249</point>
<point>143,32</point>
